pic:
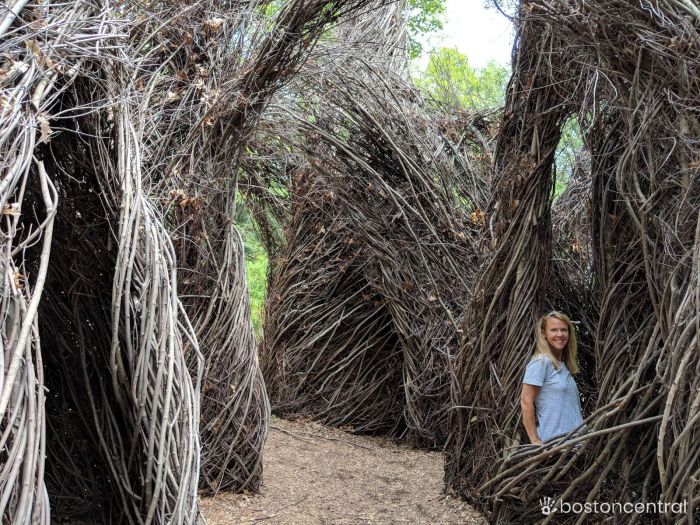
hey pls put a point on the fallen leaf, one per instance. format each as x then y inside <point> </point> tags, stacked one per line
<point>11,209</point>
<point>177,194</point>
<point>45,128</point>
<point>214,23</point>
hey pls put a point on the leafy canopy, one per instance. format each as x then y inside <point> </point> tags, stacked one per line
<point>256,263</point>
<point>424,16</point>
<point>570,144</point>
<point>448,78</point>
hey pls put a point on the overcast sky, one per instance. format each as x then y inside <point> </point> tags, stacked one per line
<point>481,33</point>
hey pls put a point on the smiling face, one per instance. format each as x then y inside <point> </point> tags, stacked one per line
<point>556,333</point>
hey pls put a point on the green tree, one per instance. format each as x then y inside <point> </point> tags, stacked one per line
<point>256,271</point>
<point>256,265</point>
<point>570,145</point>
<point>424,16</point>
<point>450,79</point>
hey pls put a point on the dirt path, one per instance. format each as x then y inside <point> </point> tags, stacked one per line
<point>317,475</point>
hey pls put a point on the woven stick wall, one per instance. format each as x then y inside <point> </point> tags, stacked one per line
<point>340,361</point>
<point>120,360</point>
<point>386,184</point>
<point>640,443</point>
<point>221,78</point>
<point>139,95</point>
<point>137,405</point>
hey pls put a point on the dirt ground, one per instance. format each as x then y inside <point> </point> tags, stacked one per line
<point>318,475</point>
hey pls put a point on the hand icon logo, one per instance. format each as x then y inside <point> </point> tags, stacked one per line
<point>547,505</point>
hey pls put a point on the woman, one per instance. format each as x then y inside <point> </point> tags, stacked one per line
<point>549,399</point>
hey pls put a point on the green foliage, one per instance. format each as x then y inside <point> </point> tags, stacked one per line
<point>272,8</point>
<point>424,16</point>
<point>570,143</point>
<point>450,79</point>
<point>256,266</point>
<point>256,269</point>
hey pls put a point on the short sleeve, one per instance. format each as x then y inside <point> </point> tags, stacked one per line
<point>535,372</point>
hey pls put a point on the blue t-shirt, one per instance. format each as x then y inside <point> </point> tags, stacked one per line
<point>557,405</point>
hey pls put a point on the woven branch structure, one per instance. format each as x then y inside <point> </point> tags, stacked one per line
<point>366,294</point>
<point>123,409</point>
<point>128,370</point>
<point>628,71</point>
<point>412,247</point>
<point>220,80</point>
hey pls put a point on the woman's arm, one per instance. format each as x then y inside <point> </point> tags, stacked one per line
<point>527,404</point>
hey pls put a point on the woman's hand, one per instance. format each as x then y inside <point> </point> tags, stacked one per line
<point>527,404</point>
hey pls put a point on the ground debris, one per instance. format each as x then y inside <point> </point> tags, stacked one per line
<point>318,475</point>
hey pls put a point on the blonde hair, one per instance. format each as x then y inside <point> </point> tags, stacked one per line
<point>542,347</point>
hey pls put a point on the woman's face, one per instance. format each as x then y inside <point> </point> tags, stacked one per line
<point>556,333</point>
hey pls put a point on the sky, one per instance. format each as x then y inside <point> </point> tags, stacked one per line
<point>481,33</point>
